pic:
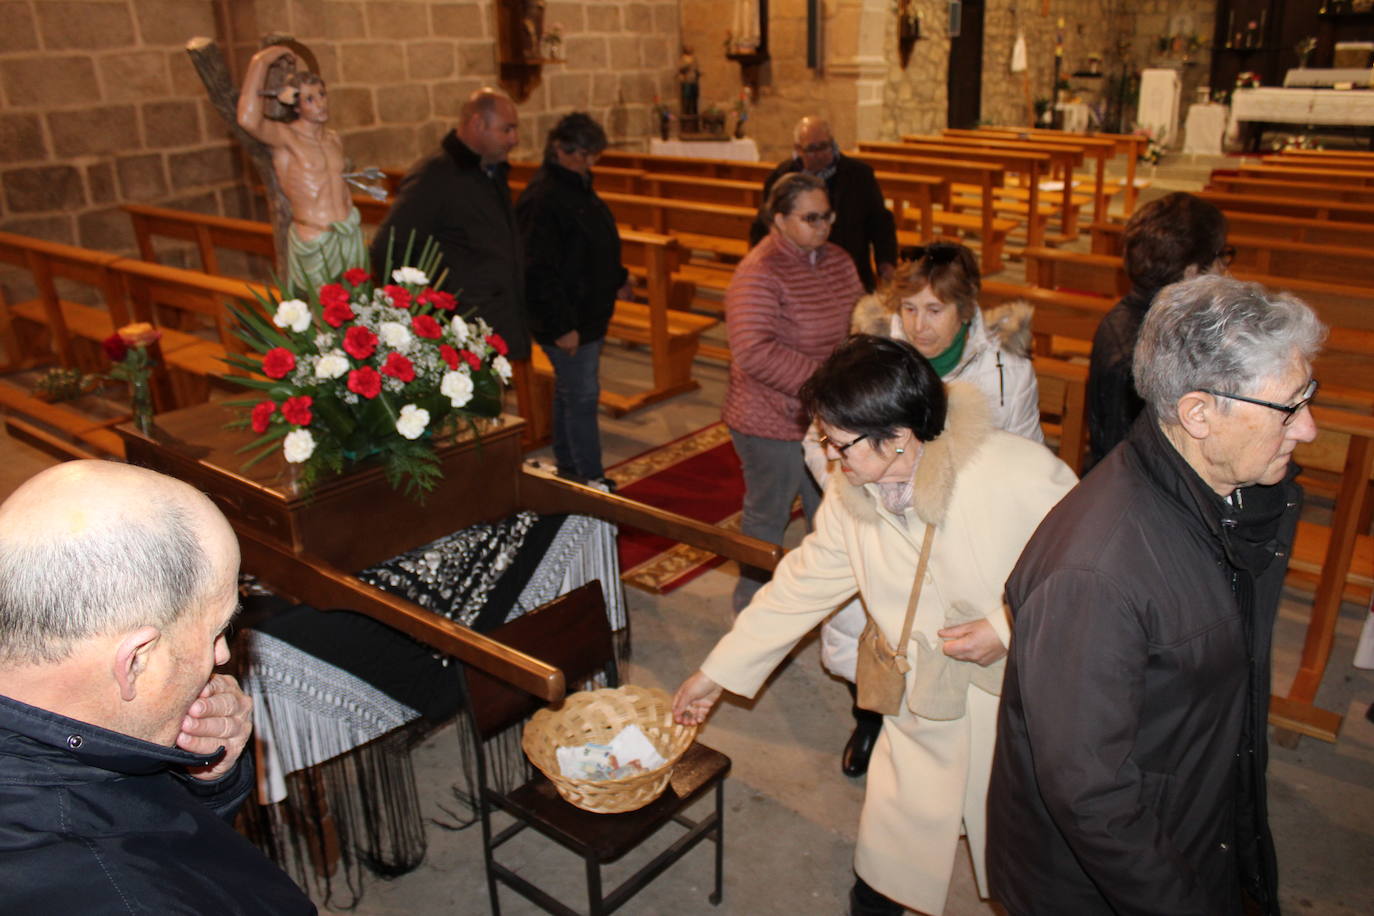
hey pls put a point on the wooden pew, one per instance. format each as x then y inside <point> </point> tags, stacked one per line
<point>1359,178</point>
<point>1063,399</point>
<point>1297,205</point>
<point>991,229</point>
<point>1062,161</point>
<point>681,165</point>
<point>1288,188</point>
<point>605,176</point>
<point>1097,149</point>
<point>1129,145</point>
<point>1032,165</point>
<point>206,232</point>
<point>1106,237</point>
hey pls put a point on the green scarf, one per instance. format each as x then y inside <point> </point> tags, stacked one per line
<point>946,361</point>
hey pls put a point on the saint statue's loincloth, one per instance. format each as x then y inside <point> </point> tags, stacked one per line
<point>323,259</point>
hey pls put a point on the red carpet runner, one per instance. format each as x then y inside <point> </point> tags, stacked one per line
<point>697,476</point>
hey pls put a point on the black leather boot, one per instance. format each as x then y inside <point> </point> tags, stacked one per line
<point>867,725</point>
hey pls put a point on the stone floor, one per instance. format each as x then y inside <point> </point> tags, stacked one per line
<point>791,816</point>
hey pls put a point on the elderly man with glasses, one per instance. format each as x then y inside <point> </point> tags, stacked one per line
<point>863,226</point>
<point>1131,746</point>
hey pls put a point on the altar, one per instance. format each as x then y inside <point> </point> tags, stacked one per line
<point>1304,107</point>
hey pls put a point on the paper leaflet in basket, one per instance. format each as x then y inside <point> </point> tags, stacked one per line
<point>629,753</point>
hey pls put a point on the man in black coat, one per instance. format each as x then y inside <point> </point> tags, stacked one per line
<point>1129,776</point>
<point>121,751</point>
<point>864,226</point>
<point>460,198</point>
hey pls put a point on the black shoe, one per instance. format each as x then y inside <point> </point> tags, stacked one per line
<point>854,760</point>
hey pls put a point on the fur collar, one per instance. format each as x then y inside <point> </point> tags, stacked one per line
<point>1007,326</point>
<point>966,429</point>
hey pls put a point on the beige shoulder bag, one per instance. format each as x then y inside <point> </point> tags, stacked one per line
<point>880,672</point>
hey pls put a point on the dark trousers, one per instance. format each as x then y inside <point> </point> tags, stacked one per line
<point>576,390</point>
<point>774,473</point>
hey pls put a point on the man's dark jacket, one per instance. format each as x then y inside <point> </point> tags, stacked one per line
<point>1129,771</point>
<point>862,220</point>
<point>451,198</point>
<point>95,822</point>
<point>572,256</point>
<point>1112,401</point>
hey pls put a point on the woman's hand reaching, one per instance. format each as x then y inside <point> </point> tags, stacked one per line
<point>975,642</point>
<point>694,699</point>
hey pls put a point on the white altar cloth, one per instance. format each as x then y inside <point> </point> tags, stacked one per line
<point>745,150</point>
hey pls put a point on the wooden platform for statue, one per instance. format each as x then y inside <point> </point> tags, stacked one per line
<point>309,546</point>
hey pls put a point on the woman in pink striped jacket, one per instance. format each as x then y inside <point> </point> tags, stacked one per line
<point>786,308</point>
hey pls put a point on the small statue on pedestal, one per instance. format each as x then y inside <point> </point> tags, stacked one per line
<point>689,82</point>
<point>326,232</point>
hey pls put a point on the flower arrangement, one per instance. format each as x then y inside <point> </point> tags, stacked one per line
<point>127,349</point>
<point>1152,152</point>
<point>1247,79</point>
<point>363,369</point>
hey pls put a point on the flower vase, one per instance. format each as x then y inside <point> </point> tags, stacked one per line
<point>141,399</point>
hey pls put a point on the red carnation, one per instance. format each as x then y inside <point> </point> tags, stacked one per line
<point>498,343</point>
<point>365,381</point>
<point>359,342</point>
<point>398,295</point>
<point>336,313</point>
<point>397,366</point>
<point>278,362</point>
<point>333,294</point>
<point>297,410</point>
<point>450,355</point>
<point>262,415</point>
<point>356,276</point>
<point>115,348</point>
<point>472,358</point>
<point>425,326</point>
<point>439,299</point>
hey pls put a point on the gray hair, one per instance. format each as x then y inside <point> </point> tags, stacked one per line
<point>56,593</point>
<point>1220,333</point>
<point>782,197</point>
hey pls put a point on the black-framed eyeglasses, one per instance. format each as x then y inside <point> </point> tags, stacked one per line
<point>827,442</point>
<point>935,253</point>
<point>813,147</point>
<point>815,217</point>
<point>1226,255</point>
<point>1289,410</point>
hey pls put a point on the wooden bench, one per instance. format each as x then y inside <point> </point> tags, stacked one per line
<point>1285,188</point>
<point>732,169</point>
<point>1098,149</point>
<point>1129,145</point>
<point>1358,178</point>
<point>991,230</point>
<point>206,232</point>
<point>1106,237</point>
<point>607,177</point>
<point>1063,406</point>
<point>1297,205</point>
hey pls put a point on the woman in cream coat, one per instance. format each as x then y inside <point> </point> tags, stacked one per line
<point>910,456</point>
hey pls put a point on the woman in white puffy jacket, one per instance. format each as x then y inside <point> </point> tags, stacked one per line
<point>932,303</point>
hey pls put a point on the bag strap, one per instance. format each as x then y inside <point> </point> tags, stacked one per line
<point>915,594</point>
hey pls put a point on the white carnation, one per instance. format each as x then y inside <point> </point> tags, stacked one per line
<point>459,327</point>
<point>293,314</point>
<point>501,366</point>
<point>412,421</point>
<point>395,335</point>
<point>410,275</point>
<point>457,387</point>
<point>299,445</point>
<point>331,365</point>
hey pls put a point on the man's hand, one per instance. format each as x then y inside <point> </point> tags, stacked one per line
<point>694,699</point>
<point>222,715</point>
<point>568,343</point>
<point>975,642</point>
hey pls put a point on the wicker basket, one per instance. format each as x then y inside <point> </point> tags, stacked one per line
<point>595,717</point>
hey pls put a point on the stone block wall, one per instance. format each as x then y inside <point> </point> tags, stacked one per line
<point>101,105</point>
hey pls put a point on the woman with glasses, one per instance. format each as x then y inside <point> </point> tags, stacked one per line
<point>1175,238</point>
<point>921,470</point>
<point>573,276</point>
<point>787,306</point>
<point>932,303</point>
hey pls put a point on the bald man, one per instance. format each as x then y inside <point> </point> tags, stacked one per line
<point>121,749</point>
<point>460,198</point>
<point>864,226</point>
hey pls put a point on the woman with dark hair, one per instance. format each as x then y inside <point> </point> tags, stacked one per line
<point>1174,238</point>
<point>573,276</point>
<point>787,306</point>
<point>921,470</point>
<point>932,303</point>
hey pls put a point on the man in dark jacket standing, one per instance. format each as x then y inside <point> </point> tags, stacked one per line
<point>121,757</point>
<point>1129,776</point>
<point>460,198</point>
<point>863,226</point>
<point>573,276</point>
